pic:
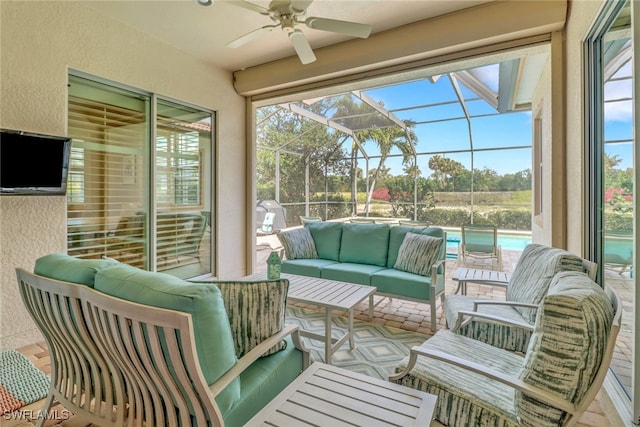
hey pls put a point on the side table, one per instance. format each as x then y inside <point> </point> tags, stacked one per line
<point>482,277</point>
<point>329,295</point>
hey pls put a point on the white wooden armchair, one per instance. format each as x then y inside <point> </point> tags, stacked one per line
<point>551,385</point>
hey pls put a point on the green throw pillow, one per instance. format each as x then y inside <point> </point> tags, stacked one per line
<point>298,243</point>
<point>418,253</point>
<point>256,311</point>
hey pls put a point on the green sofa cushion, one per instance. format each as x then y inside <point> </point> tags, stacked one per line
<point>262,381</point>
<point>214,342</point>
<point>69,269</point>
<point>396,237</point>
<point>327,237</point>
<point>402,283</point>
<point>352,273</point>
<point>365,244</point>
<point>305,267</point>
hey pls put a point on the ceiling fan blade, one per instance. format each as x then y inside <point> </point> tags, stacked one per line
<point>250,6</point>
<point>344,27</point>
<point>250,36</point>
<point>300,6</point>
<point>302,47</point>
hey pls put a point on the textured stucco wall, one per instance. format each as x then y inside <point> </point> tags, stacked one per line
<point>541,109</point>
<point>41,41</point>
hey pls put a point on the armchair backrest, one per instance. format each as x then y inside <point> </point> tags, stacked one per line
<point>570,349</point>
<point>534,272</point>
<point>111,377</point>
<point>180,233</point>
<point>479,238</point>
<point>267,224</point>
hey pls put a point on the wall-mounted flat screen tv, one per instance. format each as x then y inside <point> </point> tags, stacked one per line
<point>32,163</point>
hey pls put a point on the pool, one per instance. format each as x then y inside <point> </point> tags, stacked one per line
<point>510,242</point>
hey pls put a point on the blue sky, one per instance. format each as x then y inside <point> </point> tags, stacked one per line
<point>507,130</point>
<point>618,114</point>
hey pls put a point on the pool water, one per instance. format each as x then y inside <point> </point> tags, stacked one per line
<point>510,242</point>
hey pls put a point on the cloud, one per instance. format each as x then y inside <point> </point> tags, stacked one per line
<point>621,111</point>
<point>614,110</point>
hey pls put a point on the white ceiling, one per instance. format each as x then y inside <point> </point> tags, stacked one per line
<point>204,31</point>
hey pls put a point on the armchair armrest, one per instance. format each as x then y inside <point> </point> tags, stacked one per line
<point>465,317</point>
<point>476,303</point>
<point>245,361</point>
<point>434,278</point>
<point>552,399</point>
<point>434,270</point>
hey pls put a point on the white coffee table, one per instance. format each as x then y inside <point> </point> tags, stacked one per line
<point>329,396</point>
<point>330,295</point>
<point>481,277</point>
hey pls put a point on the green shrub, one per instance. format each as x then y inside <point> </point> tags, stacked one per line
<point>266,192</point>
<point>338,206</point>
<point>618,221</point>
<point>504,219</point>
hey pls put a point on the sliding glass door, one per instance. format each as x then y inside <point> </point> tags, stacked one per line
<point>140,179</point>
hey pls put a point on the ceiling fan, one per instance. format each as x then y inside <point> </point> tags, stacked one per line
<point>287,14</point>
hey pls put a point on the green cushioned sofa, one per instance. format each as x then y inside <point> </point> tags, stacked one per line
<point>367,254</point>
<point>220,313</point>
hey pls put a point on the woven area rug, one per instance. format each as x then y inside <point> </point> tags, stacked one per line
<point>21,383</point>
<point>378,348</point>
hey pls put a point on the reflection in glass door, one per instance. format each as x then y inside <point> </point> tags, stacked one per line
<point>618,172</point>
<point>610,148</point>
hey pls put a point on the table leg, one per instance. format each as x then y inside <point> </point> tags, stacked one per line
<point>462,287</point>
<point>457,289</point>
<point>350,330</point>
<point>328,347</point>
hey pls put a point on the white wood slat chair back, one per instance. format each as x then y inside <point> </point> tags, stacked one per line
<point>139,363</point>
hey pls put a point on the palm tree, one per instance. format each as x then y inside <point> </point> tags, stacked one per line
<point>444,167</point>
<point>386,139</point>
<point>412,170</point>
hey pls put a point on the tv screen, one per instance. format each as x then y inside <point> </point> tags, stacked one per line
<point>32,163</point>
